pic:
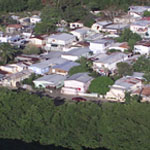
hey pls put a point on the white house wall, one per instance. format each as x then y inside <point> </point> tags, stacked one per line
<point>75,84</point>
<point>69,57</point>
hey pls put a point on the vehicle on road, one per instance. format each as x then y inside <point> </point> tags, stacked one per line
<point>79,99</point>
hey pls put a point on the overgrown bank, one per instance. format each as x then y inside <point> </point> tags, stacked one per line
<point>74,125</point>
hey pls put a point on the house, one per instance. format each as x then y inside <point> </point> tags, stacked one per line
<point>50,81</point>
<point>137,11</point>
<point>144,92</point>
<point>4,38</point>
<point>140,27</point>
<point>59,41</point>
<point>132,59</point>
<point>95,12</point>
<point>91,36</point>
<point>27,35</point>
<point>121,86</point>
<point>80,33</point>
<point>38,41</point>
<point>98,26</point>
<point>45,66</point>
<point>27,59</point>
<point>62,24</point>
<point>14,17</point>
<point>125,19</point>
<point>100,46</point>
<point>119,46</point>
<point>63,68</point>
<point>77,83</point>
<point>14,38</point>
<point>35,19</point>
<point>24,21</point>
<point>76,53</point>
<point>115,28</point>
<point>13,80</point>
<point>105,62</point>
<point>50,55</point>
<point>142,47</point>
<point>14,28</point>
<point>75,25</point>
<point>14,68</point>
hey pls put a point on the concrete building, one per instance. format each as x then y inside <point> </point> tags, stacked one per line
<point>137,11</point>
<point>13,80</point>
<point>45,66</point>
<point>144,93</point>
<point>64,68</point>
<point>76,53</point>
<point>108,62</point>
<point>98,26</point>
<point>35,19</point>
<point>140,27</point>
<point>77,83</point>
<point>50,81</point>
<point>80,33</point>
<point>119,46</point>
<point>14,28</point>
<point>59,42</point>
<point>142,47</point>
<point>121,86</point>
<point>115,28</point>
<point>100,46</point>
<point>38,41</point>
<point>14,68</point>
<point>75,25</point>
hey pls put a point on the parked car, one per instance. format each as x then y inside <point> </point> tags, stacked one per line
<point>79,99</point>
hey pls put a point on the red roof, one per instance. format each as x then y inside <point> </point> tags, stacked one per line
<point>146,18</point>
<point>144,43</point>
<point>14,26</point>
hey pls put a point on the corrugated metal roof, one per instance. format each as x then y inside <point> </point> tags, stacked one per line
<point>48,63</point>
<point>82,77</point>
<point>78,51</point>
<point>66,66</point>
<point>52,78</point>
<point>109,59</point>
<point>62,36</point>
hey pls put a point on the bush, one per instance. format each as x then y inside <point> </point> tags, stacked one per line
<point>30,49</point>
<point>100,85</point>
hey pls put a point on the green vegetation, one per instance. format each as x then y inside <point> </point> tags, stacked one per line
<point>19,5</point>
<point>7,53</point>
<point>146,14</point>
<point>142,65</point>
<point>124,69</point>
<point>113,50</point>
<point>130,37</point>
<point>67,5</point>
<point>31,49</point>
<point>30,118</point>
<point>84,67</point>
<point>30,79</point>
<point>100,85</point>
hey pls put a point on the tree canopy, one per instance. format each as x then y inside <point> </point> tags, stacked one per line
<point>31,49</point>
<point>7,53</point>
<point>100,85</point>
<point>31,118</point>
<point>128,36</point>
<point>124,69</point>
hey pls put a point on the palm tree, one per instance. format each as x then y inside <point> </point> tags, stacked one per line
<point>7,53</point>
